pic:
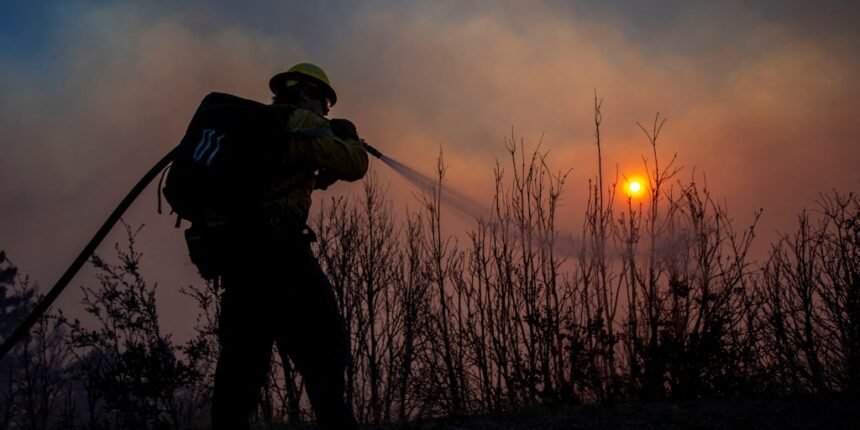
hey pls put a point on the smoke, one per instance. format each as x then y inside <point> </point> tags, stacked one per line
<point>764,103</point>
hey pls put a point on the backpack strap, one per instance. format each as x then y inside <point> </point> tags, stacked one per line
<point>161,184</point>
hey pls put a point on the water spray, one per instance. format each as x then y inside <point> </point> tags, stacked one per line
<point>462,204</point>
<point>458,201</point>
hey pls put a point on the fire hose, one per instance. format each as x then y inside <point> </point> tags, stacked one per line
<point>24,328</point>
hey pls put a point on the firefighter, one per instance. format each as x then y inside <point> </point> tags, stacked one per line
<point>274,289</point>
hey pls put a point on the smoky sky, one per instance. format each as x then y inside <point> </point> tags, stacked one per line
<point>761,100</point>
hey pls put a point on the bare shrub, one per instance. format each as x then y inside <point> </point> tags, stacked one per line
<point>653,298</point>
<point>33,392</point>
<point>811,300</point>
<point>130,371</point>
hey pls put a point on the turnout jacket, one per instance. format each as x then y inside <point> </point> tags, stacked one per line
<point>310,157</point>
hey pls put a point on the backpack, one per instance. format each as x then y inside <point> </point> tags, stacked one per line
<point>220,156</point>
<point>216,171</point>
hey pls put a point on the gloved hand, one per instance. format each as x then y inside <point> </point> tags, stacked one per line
<point>323,180</point>
<point>343,128</point>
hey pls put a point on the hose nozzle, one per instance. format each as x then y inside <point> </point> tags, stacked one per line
<point>371,150</point>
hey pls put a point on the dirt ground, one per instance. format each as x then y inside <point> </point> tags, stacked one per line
<point>812,412</point>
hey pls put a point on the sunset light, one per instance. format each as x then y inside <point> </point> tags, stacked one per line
<point>634,188</point>
<point>447,214</point>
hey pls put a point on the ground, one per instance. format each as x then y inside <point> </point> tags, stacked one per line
<point>806,412</point>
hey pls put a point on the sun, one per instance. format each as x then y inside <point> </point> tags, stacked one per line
<point>634,187</point>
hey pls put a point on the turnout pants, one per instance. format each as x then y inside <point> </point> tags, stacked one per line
<point>280,297</point>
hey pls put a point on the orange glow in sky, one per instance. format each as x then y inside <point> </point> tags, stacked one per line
<point>634,188</point>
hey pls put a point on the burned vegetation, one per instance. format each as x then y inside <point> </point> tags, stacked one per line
<point>654,300</point>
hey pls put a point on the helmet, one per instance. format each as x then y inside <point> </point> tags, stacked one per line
<point>303,72</point>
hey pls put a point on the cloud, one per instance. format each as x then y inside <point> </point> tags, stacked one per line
<point>762,109</point>
<point>764,103</point>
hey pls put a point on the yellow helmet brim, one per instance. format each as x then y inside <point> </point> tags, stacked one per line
<point>304,72</point>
